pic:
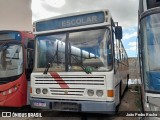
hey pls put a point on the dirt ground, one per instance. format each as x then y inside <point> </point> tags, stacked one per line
<point>130,103</point>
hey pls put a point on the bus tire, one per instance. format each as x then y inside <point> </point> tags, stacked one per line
<point>117,107</point>
<point>120,90</point>
<point>127,83</point>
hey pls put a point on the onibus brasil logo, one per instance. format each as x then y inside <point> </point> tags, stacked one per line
<point>14,114</point>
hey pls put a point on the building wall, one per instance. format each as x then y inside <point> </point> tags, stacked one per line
<point>15,15</point>
<point>134,72</point>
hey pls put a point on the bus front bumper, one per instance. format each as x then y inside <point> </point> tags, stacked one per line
<point>76,106</point>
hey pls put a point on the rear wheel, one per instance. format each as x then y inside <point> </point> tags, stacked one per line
<point>127,83</point>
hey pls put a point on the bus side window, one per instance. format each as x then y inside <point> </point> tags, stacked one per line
<point>116,49</point>
<point>120,50</point>
<point>109,49</point>
<point>30,58</point>
<point>109,52</point>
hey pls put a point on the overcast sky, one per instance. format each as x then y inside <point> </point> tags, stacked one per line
<point>122,11</point>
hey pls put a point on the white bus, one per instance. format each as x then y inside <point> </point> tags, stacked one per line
<point>80,63</point>
<point>149,49</point>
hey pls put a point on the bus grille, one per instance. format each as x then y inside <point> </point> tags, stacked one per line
<point>3,82</point>
<point>77,84</point>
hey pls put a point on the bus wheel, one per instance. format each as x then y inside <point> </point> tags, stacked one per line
<point>117,107</point>
<point>127,83</point>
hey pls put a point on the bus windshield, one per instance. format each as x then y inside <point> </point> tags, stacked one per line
<point>151,49</point>
<point>11,60</point>
<point>10,35</point>
<point>87,48</point>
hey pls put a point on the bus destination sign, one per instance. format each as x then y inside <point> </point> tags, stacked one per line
<point>71,21</point>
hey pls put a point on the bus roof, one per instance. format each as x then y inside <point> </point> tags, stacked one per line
<point>145,5</point>
<point>78,20</point>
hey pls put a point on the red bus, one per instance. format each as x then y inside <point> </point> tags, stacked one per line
<point>16,64</point>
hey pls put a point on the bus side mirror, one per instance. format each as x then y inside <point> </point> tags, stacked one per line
<point>118,32</point>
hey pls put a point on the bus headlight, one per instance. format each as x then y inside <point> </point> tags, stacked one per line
<point>38,90</point>
<point>44,91</point>
<point>9,91</point>
<point>15,88</point>
<point>4,93</point>
<point>90,92</point>
<point>99,93</point>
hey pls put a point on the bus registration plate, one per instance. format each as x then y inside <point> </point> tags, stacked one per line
<point>66,106</point>
<point>40,104</point>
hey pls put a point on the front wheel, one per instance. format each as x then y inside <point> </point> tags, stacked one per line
<point>117,107</point>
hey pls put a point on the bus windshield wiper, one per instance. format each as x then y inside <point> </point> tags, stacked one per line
<point>88,70</point>
<point>47,68</point>
<point>49,64</point>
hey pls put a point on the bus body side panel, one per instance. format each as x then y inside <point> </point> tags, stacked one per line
<point>121,81</point>
<point>26,37</point>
